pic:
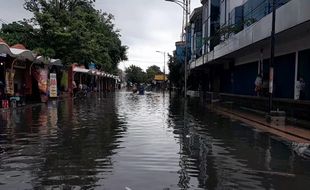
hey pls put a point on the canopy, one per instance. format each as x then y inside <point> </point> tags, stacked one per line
<point>93,72</point>
<point>17,51</point>
<point>44,60</point>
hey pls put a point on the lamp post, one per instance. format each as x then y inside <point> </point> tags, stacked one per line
<point>185,6</point>
<point>164,53</point>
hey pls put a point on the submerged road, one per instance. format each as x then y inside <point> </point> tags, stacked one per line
<point>127,141</point>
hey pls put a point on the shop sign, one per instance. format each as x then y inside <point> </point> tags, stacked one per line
<point>41,76</point>
<point>92,66</point>
<point>53,85</point>
<point>271,80</point>
<point>9,82</point>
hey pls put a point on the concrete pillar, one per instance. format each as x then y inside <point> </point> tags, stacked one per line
<point>70,79</point>
<point>296,90</point>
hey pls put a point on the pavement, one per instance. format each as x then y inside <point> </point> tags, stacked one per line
<point>291,133</point>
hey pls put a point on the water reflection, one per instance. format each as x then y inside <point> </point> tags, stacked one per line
<point>225,154</point>
<point>55,146</point>
<point>140,142</point>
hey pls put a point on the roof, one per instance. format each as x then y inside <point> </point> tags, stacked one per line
<point>196,12</point>
<point>42,59</point>
<point>17,51</point>
<point>20,52</point>
<point>93,72</point>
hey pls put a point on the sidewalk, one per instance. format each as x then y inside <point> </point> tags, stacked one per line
<point>289,132</point>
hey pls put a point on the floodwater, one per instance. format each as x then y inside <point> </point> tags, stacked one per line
<point>124,141</point>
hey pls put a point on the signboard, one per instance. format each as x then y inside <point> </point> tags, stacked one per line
<point>92,66</point>
<point>271,80</point>
<point>9,82</point>
<point>53,85</point>
<point>41,76</point>
<point>160,77</point>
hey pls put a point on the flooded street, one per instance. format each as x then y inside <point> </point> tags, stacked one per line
<point>127,141</point>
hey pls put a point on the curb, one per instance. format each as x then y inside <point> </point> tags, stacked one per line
<point>262,123</point>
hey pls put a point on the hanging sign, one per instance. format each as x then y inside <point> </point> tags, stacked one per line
<point>41,76</point>
<point>53,85</point>
<point>271,80</point>
<point>9,82</point>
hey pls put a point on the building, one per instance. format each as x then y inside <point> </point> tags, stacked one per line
<point>237,46</point>
<point>196,33</point>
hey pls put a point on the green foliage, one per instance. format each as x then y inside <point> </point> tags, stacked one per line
<point>135,74</point>
<point>44,52</point>
<point>151,72</point>
<point>224,32</point>
<point>19,33</point>
<point>73,30</point>
<point>176,68</point>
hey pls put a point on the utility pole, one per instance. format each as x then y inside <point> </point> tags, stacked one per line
<point>186,48</point>
<point>271,64</point>
<point>186,8</point>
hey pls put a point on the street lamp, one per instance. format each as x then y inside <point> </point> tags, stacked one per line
<point>185,6</point>
<point>164,53</point>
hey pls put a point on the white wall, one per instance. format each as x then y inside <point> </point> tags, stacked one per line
<point>289,15</point>
<point>293,13</point>
<point>282,48</point>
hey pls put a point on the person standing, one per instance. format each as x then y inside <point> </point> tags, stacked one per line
<point>74,88</point>
<point>258,85</point>
<point>302,86</point>
<point>1,91</point>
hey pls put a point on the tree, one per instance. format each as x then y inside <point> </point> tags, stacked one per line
<point>135,74</point>
<point>19,33</point>
<point>176,75</point>
<point>151,72</point>
<point>74,30</point>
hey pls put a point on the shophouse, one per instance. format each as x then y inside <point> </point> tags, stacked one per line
<point>238,49</point>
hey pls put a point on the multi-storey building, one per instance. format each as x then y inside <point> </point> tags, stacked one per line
<point>236,46</point>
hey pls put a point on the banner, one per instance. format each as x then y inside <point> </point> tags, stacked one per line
<point>53,85</point>
<point>9,82</point>
<point>41,76</point>
<point>271,80</point>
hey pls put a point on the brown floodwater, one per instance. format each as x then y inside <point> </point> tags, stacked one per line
<point>127,141</point>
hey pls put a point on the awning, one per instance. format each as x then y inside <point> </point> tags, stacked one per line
<point>43,60</point>
<point>93,72</point>
<point>80,70</point>
<point>20,54</point>
<point>56,62</point>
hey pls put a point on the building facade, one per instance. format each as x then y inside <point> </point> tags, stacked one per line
<point>236,47</point>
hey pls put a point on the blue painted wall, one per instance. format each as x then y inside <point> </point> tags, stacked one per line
<point>304,70</point>
<point>180,53</point>
<point>244,78</point>
<point>284,76</point>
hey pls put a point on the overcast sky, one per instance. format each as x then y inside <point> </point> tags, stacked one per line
<point>146,26</point>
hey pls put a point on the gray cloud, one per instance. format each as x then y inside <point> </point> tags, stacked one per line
<point>146,25</point>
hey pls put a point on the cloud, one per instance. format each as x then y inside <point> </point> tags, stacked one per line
<point>145,25</point>
<point>13,10</point>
